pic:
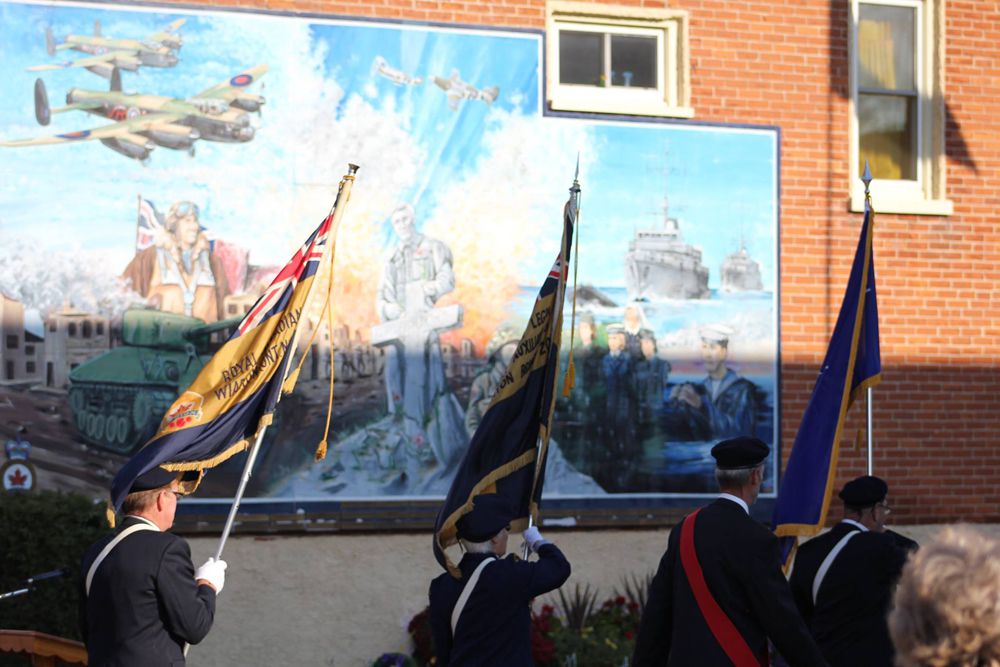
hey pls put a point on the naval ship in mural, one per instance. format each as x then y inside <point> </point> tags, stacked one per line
<point>660,265</point>
<point>740,272</point>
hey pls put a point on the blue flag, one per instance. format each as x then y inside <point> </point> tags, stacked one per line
<point>852,364</point>
<point>507,452</point>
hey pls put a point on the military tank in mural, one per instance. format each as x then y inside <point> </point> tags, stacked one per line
<point>119,397</point>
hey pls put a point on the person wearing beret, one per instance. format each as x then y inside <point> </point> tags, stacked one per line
<point>141,599</point>
<point>843,579</point>
<point>719,593</point>
<point>484,617</point>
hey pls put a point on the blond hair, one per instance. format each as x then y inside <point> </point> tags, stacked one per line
<point>947,606</point>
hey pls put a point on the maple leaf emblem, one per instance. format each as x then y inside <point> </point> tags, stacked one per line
<point>17,478</point>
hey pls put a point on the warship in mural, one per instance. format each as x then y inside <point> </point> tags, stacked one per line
<point>118,397</point>
<point>660,265</point>
<point>740,272</point>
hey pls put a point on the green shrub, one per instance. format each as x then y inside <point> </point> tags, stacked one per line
<point>40,532</point>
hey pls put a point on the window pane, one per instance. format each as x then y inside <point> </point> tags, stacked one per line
<point>633,61</point>
<point>581,57</point>
<point>887,126</point>
<point>886,47</point>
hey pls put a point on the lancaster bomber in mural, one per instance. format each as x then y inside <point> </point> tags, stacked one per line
<point>144,122</point>
<point>106,54</point>
<point>458,90</point>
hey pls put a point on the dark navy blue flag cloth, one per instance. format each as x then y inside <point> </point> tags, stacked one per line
<point>507,452</point>
<point>852,364</point>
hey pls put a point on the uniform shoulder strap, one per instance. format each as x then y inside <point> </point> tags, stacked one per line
<point>111,545</point>
<point>828,561</point>
<point>466,592</point>
<point>720,625</point>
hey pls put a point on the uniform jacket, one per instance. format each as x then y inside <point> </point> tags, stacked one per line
<point>144,603</point>
<point>848,619</point>
<point>494,629</point>
<point>741,565</point>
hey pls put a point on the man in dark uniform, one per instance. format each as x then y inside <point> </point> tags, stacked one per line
<point>484,618</point>
<point>843,580</point>
<point>719,593</point>
<point>141,599</point>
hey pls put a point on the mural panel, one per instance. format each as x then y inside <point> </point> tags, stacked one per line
<point>158,166</point>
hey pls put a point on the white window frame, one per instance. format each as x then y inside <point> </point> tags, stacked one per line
<point>672,96</point>
<point>926,194</point>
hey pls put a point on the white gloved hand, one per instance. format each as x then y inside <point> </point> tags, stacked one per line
<point>214,572</point>
<point>534,539</point>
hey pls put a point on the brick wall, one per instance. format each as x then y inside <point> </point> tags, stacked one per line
<point>784,63</point>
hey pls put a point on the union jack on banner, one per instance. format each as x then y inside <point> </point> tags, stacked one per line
<point>148,225</point>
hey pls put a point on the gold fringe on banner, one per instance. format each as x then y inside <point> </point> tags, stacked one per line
<point>109,514</point>
<point>570,380</point>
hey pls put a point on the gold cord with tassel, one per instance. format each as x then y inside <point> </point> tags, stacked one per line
<point>321,448</point>
<point>570,380</point>
<point>289,384</point>
<point>109,514</point>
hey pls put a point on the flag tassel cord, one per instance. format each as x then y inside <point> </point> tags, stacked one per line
<point>338,211</point>
<point>867,179</point>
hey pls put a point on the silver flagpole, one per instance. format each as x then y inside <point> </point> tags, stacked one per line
<point>345,191</point>
<point>866,178</point>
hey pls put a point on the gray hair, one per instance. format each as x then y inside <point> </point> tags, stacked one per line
<point>729,479</point>
<point>477,547</point>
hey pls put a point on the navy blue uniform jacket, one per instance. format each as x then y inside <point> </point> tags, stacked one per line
<point>741,564</point>
<point>144,602</point>
<point>495,626</point>
<point>848,619</point>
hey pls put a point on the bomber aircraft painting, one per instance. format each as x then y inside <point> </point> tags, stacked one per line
<point>143,122</point>
<point>106,54</point>
<point>458,90</point>
<point>398,77</point>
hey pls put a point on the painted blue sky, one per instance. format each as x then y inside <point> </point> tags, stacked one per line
<point>501,168</point>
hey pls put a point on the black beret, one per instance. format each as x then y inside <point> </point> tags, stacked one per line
<point>740,453</point>
<point>152,479</point>
<point>864,491</point>
<point>490,514</point>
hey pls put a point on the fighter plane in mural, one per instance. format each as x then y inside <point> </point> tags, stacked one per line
<point>398,77</point>
<point>105,54</point>
<point>143,122</point>
<point>459,90</point>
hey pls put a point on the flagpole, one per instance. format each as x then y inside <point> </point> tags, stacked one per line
<point>866,178</point>
<point>338,212</point>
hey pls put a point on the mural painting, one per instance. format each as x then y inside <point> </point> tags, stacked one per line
<point>142,217</point>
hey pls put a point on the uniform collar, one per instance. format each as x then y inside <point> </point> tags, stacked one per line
<point>143,519</point>
<point>736,499</point>
<point>859,526</point>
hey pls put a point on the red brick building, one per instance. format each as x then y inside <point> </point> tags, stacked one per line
<point>789,64</point>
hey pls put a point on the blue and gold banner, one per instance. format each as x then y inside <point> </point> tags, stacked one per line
<point>852,364</point>
<point>508,450</point>
<point>235,394</point>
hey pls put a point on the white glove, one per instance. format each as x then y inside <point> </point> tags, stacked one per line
<point>214,572</point>
<point>534,539</point>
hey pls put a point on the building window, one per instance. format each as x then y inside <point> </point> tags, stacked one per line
<point>29,350</point>
<point>11,341</point>
<point>29,367</point>
<point>71,329</point>
<point>614,59</point>
<point>99,327</point>
<point>52,326</point>
<point>897,124</point>
<point>87,329</point>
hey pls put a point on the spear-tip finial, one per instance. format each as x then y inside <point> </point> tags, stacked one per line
<point>352,168</point>
<point>576,176</point>
<point>866,177</point>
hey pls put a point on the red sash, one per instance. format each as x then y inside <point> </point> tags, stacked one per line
<point>729,638</point>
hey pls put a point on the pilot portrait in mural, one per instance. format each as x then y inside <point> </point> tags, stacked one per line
<point>179,273</point>
<point>724,404</point>
<point>417,273</point>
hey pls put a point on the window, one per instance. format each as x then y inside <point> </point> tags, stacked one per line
<point>99,327</point>
<point>11,341</point>
<point>614,59</point>
<point>29,350</point>
<point>897,123</point>
<point>52,326</point>
<point>87,329</point>
<point>71,329</point>
<point>29,367</point>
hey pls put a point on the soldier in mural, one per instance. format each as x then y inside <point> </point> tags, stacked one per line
<point>724,404</point>
<point>620,403</point>
<point>179,274</point>
<point>417,273</point>
<point>652,376</point>
<point>633,320</point>
<point>499,352</point>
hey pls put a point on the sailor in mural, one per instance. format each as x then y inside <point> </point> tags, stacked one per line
<point>178,273</point>
<point>417,273</point>
<point>724,404</point>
